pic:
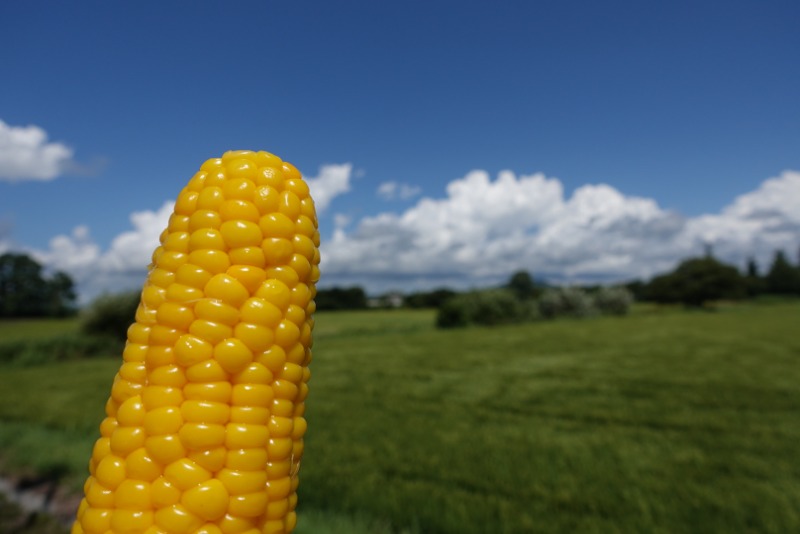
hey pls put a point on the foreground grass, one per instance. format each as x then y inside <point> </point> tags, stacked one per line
<point>665,421</point>
<point>26,329</point>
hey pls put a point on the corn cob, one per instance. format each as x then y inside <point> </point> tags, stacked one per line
<point>204,426</point>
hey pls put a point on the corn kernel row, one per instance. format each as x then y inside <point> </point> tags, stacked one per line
<point>204,426</point>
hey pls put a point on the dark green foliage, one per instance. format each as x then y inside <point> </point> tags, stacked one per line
<point>522,285</point>
<point>638,289</point>
<point>490,307</point>
<point>754,283</point>
<point>111,315</point>
<point>697,281</point>
<point>25,292</point>
<point>565,302</point>
<point>782,278</point>
<point>428,299</point>
<point>613,300</point>
<point>338,298</point>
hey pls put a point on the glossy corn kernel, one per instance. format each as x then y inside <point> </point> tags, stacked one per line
<point>204,427</point>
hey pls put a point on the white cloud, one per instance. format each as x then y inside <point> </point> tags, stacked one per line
<point>341,220</point>
<point>756,223</point>
<point>333,180</point>
<point>123,266</point>
<point>481,231</point>
<point>132,250</point>
<point>395,190</point>
<point>26,154</point>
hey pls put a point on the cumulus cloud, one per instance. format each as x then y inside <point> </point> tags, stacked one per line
<point>333,180</point>
<point>26,154</point>
<point>756,223</point>
<point>122,266</point>
<point>483,230</point>
<point>131,251</point>
<point>395,190</point>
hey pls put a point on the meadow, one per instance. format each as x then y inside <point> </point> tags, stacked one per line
<point>663,421</point>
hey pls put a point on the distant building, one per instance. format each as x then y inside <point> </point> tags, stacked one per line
<point>392,299</point>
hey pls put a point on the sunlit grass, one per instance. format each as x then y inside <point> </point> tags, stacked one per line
<point>664,421</point>
<point>12,330</point>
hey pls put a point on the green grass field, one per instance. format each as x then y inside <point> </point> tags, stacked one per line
<point>664,421</point>
<point>26,329</point>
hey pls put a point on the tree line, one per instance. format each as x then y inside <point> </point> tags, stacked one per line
<point>697,281</point>
<point>26,291</point>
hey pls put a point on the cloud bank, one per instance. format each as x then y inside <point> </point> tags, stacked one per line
<point>26,154</point>
<point>332,181</point>
<point>484,229</point>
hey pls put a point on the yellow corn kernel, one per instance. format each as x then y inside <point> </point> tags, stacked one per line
<point>163,335</point>
<point>201,411</point>
<point>213,261</point>
<point>255,373</point>
<point>177,518</point>
<point>209,391</point>
<point>246,460</point>
<point>208,500</point>
<point>97,496</point>
<point>212,459</point>
<point>260,311</point>
<point>190,349</point>
<point>199,436</point>
<point>165,449</point>
<point>140,466</point>
<point>201,219</point>
<point>248,256</point>
<point>204,428</point>
<point>249,276</point>
<point>157,396</point>
<point>210,331</point>
<point>242,210</point>
<point>164,420</point>
<point>163,493</point>
<point>217,311</point>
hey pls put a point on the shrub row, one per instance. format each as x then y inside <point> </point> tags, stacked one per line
<point>502,306</point>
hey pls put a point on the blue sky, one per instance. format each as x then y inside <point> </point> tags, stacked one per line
<point>657,116</point>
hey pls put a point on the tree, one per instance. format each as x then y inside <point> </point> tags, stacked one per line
<point>337,298</point>
<point>62,295</point>
<point>429,299</point>
<point>697,281</point>
<point>752,279</point>
<point>522,285</point>
<point>111,315</point>
<point>782,278</point>
<point>488,308</point>
<point>25,292</point>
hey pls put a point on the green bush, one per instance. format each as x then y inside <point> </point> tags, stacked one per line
<point>696,282</point>
<point>111,315</point>
<point>488,308</point>
<point>565,302</point>
<point>613,300</point>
